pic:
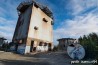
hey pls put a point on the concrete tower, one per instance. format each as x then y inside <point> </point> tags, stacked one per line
<point>34,29</point>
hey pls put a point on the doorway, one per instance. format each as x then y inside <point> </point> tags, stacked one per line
<point>49,46</point>
<point>31,47</point>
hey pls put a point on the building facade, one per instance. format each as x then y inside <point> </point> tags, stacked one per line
<point>64,42</point>
<point>34,29</point>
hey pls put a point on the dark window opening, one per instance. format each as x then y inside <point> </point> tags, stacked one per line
<point>49,45</point>
<point>45,20</point>
<point>36,28</point>
<point>31,47</point>
<point>45,44</point>
<point>64,45</point>
<point>40,44</point>
<point>34,49</point>
<point>71,45</point>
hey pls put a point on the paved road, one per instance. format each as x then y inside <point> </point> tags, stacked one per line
<point>53,58</point>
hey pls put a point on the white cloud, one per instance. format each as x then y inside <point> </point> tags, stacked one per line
<point>6,35</point>
<point>8,17</point>
<point>7,28</point>
<point>78,6</point>
<point>8,8</point>
<point>82,23</point>
<point>77,27</point>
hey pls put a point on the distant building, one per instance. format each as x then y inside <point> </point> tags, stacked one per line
<point>64,42</point>
<point>2,41</point>
<point>34,28</point>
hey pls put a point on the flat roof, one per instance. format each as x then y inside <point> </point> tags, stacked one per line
<point>24,5</point>
<point>66,39</point>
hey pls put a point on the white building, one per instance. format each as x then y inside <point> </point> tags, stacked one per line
<point>34,29</point>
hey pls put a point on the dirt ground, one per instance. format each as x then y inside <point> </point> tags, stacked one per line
<point>51,58</point>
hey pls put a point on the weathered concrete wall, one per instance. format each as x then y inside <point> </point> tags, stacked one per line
<point>21,48</point>
<point>24,19</point>
<point>44,31</point>
<point>27,49</point>
<point>42,48</point>
<point>33,17</point>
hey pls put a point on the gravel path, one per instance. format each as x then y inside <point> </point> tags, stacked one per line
<point>56,58</point>
<point>53,58</point>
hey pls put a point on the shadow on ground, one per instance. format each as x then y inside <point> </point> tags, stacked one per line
<point>20,62</point>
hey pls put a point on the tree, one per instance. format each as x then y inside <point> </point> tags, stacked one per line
<point>90,42</point>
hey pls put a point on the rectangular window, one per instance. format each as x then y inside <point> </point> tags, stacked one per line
<point>40,44</point>
<point>45,20</point>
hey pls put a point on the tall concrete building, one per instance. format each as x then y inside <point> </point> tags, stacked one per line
<point>34,29</point>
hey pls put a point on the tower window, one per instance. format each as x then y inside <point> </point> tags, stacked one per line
<point>45,44</point>
<point>40,44</point>
<point>36,5</point>
<point>45,20</point>
<point>36,28</point>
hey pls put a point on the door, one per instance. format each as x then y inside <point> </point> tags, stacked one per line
<point>32,44</point>
<point>49,46</point>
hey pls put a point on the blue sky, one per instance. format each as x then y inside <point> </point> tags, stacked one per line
<point>72,18</point>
